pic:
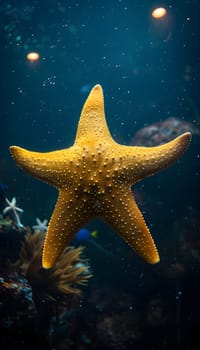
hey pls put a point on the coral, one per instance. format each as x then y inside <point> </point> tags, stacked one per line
<point>15,296</point>
<point>18,312</point>
<point>70,271</point>
<point>163,131</point>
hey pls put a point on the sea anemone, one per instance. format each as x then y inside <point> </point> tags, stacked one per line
<point>64,278</point>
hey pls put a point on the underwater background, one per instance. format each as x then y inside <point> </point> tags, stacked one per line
<point>100,295</point>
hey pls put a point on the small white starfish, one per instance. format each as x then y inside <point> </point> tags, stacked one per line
<point>41,225</point>
<point>14,209</point>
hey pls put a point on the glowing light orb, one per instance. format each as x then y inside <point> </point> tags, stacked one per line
<point>33,56</point>
<point>159,12</point>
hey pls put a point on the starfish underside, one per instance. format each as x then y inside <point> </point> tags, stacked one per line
<point>94,179</point>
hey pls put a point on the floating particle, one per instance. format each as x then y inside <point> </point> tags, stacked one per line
<point>33,56</point>
<point>18,38</point>
<point>85,88</point>
<point>159,12</point>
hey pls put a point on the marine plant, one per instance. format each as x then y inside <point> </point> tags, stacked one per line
<point>64,278</point>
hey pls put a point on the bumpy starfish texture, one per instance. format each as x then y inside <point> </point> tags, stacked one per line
<point>94,179</point>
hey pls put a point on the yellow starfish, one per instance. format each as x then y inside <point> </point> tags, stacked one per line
<point>94,179</point>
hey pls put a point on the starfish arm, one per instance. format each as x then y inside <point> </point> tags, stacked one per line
<point>47,167</point>
<point>139,162</point>
<point>6,210</point>
<point>19,224</point>
<point>19,210</point>
<point>92,124</point>
<point>126,218</point>
<point>69,215</point>
<point>11,203</point>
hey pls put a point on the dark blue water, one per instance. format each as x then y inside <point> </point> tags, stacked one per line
<point>149,71</point>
